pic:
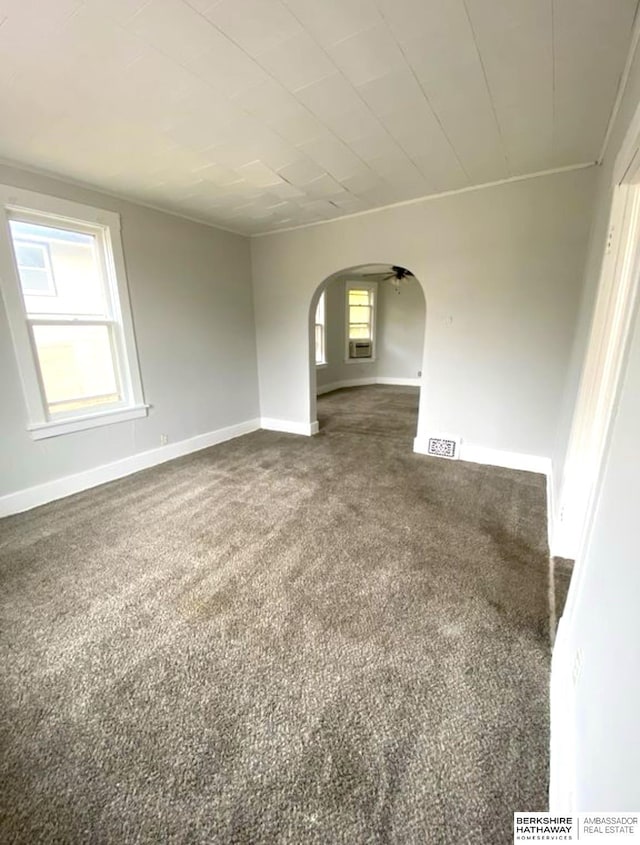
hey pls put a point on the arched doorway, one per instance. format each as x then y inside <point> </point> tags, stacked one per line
<point>366,327</point>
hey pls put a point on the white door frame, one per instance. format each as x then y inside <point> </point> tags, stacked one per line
<point>602,374</point>
<point>605,356</point>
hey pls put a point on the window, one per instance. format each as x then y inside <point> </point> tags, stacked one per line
<point>321,357</point>
<point>360,320</point>
<point>63,281</point>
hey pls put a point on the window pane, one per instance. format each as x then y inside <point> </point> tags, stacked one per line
<point>36,281</point>
<point>69,257</point>
<point>359,332</point>
<point>319,344</point>
<point>359,297</point>
<point>77,366</point>
<point>359,314</point>
<point>31,255</point>
<point>320,310</point>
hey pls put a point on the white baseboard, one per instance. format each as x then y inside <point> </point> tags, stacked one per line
<point>361,382</point>
<point>501,458</point>
<point>405,382</point>
<point>493,457</point>
<point>289,426</point>
<point>562,780</point>
<point>350,382</point>
<point>23,500</point>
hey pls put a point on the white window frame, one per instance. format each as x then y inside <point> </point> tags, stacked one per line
<point>33,207</point>
<point>357,284</point>
<point>322,308</point>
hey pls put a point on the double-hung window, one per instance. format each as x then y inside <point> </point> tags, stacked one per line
<point>62,273</point>
<point>360,320</point>
<point>321,353</point>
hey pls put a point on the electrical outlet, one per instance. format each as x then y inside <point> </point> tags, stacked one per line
<point>164,439</point>
<point>419,373</point>
<point>577,667</point>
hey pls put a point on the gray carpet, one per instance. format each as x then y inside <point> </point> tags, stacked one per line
<point>562,571</point>
<point>279,640</point>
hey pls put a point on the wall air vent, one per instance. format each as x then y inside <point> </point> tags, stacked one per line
<point>444,447</point>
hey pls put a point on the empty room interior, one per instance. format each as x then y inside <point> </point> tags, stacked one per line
<point>320,378</point>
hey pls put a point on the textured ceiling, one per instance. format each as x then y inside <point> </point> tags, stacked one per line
<point>259,114</point>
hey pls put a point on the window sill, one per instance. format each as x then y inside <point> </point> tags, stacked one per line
<point>322,366</point>
<point>359,360</point>
<point>53,428</point>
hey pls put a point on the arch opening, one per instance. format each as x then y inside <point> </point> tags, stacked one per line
<point>367,326</point>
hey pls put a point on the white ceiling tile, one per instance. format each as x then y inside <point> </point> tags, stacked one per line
<point>118,10</point>
<point>403,175</point>
<point>301,173</point>
<point>393,91</point>
<point>324,186</point>
<point>367,55</point>
<point>355,123</point>
<point>297,62</point>
<point>476,138</point>
<point>286,190</point>
<point>257,173</point>
<point>361,182</point>
<point>329,97</point>
<point>201,6</point>
<point>351,204</point>
<point>30,12</point>
<point>268,100</point>
<point>256,25</point>
<point>217,175</point>
<point>226,67</point>
<point>333,155</point>
<point>299,128</point>
<point>107,45</point>
<point>173,28</point>
<point>375,145</point>
<point>331,21</point>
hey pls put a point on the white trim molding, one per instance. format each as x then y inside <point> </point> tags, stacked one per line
<point>493,457</point>
<point>289,426</point>
<point>403,382</point>
<point>23,500</point>
<point>53,429</point>
<point>362,382</point>
<point>501,458</point>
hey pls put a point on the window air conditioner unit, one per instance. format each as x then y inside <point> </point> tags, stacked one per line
<point>359,349</point>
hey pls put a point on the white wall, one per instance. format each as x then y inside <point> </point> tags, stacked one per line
<point>192,308</point>
<point>600,631</point>
<point>399,334</point>
<point>402,319</point>
<point>501,269</point>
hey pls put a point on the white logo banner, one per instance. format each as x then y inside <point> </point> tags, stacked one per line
<point>592,828</point>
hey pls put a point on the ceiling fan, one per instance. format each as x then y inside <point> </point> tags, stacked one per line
<point>395,275</point>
